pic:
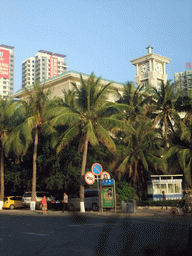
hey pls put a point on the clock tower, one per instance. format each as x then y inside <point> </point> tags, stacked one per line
<point>150,69</point>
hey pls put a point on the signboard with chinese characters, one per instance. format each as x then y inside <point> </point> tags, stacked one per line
<point>4,63</point>
<point>108,197</point>
<point>53,66</point>
<point>107,182</point>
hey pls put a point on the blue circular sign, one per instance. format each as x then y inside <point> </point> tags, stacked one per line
<point>97,169</point>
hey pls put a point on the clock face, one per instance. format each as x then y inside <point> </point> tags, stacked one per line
<point>158,67</point>
<point>144,67</point>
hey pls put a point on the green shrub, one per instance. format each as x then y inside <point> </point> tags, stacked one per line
<point>124,192</point>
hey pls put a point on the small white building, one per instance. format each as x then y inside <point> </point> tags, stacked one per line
<point>170,184</point>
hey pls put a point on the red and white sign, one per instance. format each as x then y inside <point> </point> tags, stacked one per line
<point>89,178</point>
<point>105,176</point>
<point>53,66</point>
<point>4,63</point>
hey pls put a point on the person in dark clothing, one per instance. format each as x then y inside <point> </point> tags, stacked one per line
<point>65,202</point>
<point>164,203</point>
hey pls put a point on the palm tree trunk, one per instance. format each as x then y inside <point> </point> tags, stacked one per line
<point>166,145</point>
<point>82,204</point>
<point>2,177</point>
<point>34,166</point>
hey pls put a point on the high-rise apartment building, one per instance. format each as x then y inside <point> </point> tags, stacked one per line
<point>43,66</point>
<point>184,80</point>
<point>7,70</point>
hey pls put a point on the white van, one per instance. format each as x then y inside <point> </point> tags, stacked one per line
<point>38,198</point>
<point>91,199</point>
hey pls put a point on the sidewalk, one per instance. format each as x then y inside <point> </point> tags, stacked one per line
<point>142,212</point>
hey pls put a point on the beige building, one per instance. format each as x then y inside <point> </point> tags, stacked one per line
<point>61,82</point>
<point>43,66</point>
<point>151,69</point>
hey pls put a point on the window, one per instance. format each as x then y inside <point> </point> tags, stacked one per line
<point>33,66</point>
<point>177,188</point>
<point>157,189</point>
<point>4,92</point>
<point>33,62</point>
<point>4,87</point>
<point>164,188</point>
<point>11,88</point>
<point>4,82</point>
<point>171,188</point>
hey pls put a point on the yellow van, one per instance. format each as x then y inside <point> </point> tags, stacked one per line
<point>12,202</point>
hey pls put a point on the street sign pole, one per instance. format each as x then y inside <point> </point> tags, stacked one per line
<point>115,196</point>
<point>101,197</point>
<point>98,187</point>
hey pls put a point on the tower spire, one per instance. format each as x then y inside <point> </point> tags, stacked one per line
<point>149,47</point>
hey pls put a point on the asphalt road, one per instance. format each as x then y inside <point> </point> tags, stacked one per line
<point>84,234</point>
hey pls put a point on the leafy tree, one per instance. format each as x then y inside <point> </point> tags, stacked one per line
<point>180,154</point>
<point>8,120</point>
<point>140,153</point>
<point>87,118</point>
<point>34,108</point>
<point>134,98</point>
<point>163,109</point>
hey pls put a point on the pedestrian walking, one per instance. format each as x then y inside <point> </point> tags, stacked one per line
<point>44,205</point>
<point>164,203</point>
<point>65,202</point>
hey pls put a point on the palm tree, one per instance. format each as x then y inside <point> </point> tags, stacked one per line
<point>134,98</point>
<point>180,153</point>
<point>140,153</point>
<point>164,113</point>
<point>8,120</point>
<point>34,109</point>
<point>86,116</point>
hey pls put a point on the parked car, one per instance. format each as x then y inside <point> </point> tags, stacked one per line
<point>12,202</point>
<point>57,204</point>
<point>91,199</point>
<point>38,198</point>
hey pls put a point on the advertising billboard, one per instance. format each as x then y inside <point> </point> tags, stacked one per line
<point>4,63</point>
<point>53,66</point>
<point>107,197</point>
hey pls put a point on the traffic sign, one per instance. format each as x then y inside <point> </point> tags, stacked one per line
<point>105,175</point>
<point>89,178</point>
<point>97,169</point>
<point>106,182</point>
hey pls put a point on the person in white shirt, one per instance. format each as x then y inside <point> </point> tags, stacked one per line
<point>65,202</point>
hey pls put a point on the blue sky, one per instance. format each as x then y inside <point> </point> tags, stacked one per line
<point>99,36</point>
